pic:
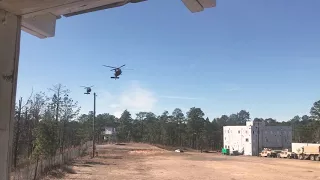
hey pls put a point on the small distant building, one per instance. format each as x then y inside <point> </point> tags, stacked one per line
<point>109,134</point>
<point>254,136</point>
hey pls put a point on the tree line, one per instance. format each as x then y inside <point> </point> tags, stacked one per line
<point>48,123</point>
<point>193,130</point>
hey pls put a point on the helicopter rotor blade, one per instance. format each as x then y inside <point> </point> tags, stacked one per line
<point>109,66</point>
<point>121,66</point>
<point>86,87</point>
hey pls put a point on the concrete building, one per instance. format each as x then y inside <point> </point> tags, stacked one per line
<point>254,136</point>
<point>109,134</point>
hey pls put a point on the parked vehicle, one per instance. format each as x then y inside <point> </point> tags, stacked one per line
<point>266,152</point>
<point>287,154</point>
<point>310,152</point>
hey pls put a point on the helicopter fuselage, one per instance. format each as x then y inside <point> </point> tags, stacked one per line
<point>117,72</point>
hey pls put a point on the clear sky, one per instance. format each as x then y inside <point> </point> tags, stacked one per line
<point>260,56</point>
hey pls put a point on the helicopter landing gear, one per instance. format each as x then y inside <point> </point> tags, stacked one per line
<point>115,78</point>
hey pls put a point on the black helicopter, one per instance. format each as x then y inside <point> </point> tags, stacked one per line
<point>117,71</point>
<point>88,89</point>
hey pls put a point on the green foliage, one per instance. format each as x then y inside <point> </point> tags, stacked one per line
<point>197,132</point>
<point>46,123</point>
<point>125,127</point>
<point>315,111</point>
<point>46,142</point>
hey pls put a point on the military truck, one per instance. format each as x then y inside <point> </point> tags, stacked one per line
<point>310,152</point>
<point>287,154</point>
<point>267,152</point>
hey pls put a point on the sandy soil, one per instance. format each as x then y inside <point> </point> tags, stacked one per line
<point>145,162</point>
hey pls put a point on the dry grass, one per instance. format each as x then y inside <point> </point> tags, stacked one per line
<point>145,162</point>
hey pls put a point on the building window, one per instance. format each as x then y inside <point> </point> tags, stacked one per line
<point>238,132</point>
<point>252,132</point>
<point>266,140</point>
<point>247,140</point>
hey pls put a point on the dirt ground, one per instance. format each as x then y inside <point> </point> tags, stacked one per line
<point>145,162</point>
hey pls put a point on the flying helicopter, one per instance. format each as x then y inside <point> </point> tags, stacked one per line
<point>88,89</point>
<point>117,71</point>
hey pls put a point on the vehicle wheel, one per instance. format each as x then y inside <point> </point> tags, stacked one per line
<point>318,158</point>
<point>300,156</point>
<point>312,158</point>
<point>268,155</point>
<point>289,157</point>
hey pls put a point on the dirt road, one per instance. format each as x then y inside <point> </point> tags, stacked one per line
<point>145,162</point>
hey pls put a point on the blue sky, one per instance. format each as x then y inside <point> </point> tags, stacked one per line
<point>260,56</point>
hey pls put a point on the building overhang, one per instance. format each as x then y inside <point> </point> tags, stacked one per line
<point>39,16</point>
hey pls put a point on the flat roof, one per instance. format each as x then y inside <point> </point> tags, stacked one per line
<point>39,16</point>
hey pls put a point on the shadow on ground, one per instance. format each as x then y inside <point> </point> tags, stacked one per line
<point>109,157</point>
<point>82,165</point>
<point>201,158</point>
<point>95,163</point>
<point>60,172</point>
<point>121,144</point>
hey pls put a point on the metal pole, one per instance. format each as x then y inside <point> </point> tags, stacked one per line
<point>258,138</point>
<point>94,118</point>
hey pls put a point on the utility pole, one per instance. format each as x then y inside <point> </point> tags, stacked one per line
<point>258,138</point>
<point>180,138</point>
<point>88,91</point>
<point>93,124</point>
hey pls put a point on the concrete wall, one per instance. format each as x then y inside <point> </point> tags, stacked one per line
<point>235,138</point>
<point>277,136</point>
<point>255,136</point>
<point>9,61</point>
<point>296,147</point>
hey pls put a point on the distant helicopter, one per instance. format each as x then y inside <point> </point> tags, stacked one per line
<point>88,89</point>
<point>117,71</point>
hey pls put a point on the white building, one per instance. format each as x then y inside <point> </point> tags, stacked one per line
<point>252,138</point>
<point>109,133</point>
